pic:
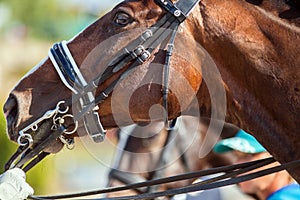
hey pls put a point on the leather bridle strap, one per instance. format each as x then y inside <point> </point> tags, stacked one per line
<point>41,156</point>
<point>181,9</point>
<point>232,176</point>
<point>169,125</point>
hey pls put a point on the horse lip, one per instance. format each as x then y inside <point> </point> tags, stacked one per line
<point>12,130</point>
<point>12,133</point>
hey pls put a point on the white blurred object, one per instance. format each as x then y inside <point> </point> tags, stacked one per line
<point>13,185</point>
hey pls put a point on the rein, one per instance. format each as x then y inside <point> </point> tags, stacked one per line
<point>232,174</point>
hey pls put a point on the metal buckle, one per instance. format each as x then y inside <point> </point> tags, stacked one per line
<point>144,56</point>
<point>146,35</point>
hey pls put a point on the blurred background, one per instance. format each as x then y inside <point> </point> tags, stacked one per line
<point>27,31</point>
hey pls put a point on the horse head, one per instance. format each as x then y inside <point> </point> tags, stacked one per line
<point>42,92</point>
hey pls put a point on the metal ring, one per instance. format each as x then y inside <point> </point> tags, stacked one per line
<point>76,124</point>
<point>70,143</point>
<point>58,108</point>
<point>34,127</point>
<point>27,137</point>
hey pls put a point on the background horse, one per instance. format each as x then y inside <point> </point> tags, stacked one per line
<point>146,153</point>
<point>256,52</point>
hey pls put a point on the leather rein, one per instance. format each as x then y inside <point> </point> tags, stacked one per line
<point>232,174</point>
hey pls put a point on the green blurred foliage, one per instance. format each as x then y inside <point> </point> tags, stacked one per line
<point>47,20</point>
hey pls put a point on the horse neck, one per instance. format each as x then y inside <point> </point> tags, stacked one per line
<point>262,49</point>
<point>257,54</point>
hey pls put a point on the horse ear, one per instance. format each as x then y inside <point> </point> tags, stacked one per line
<point>255,2</point>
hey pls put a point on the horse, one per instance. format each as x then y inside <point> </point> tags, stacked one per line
<point>246,73</point>
<point>149,152</point>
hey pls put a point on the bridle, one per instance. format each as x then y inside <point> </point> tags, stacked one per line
<point>135,53</point>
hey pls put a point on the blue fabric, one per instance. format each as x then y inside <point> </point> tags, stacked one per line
<point>290,192</point>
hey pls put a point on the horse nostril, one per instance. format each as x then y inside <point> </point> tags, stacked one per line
<point>10,105</point>
<point>10,109</point>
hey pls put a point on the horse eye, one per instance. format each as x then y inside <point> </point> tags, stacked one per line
<point>122,19</point>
